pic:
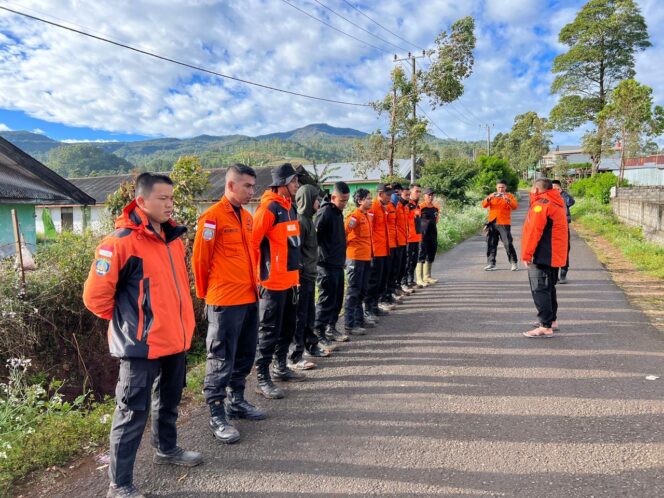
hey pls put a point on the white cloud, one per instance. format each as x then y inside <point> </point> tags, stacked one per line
<point>86,141</point>
<point>39,131</point>
<point>66,78</point>
<point>4,127</point>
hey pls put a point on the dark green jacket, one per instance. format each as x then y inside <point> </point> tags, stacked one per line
<point>305,198</point>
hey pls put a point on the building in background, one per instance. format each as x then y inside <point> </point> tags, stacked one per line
<point>27,186</point>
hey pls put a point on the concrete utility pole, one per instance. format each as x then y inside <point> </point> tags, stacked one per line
<point>488,138</point>
<point>412,58</point>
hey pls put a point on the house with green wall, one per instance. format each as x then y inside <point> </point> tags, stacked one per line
<point>24,184</point>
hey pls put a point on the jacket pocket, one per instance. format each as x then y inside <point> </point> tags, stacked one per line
<point>132,392</point>
<point>146,308</point>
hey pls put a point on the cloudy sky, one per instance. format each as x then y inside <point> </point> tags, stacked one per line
<point>74,88</point>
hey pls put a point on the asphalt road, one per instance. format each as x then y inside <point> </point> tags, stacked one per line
<point>447,398</point>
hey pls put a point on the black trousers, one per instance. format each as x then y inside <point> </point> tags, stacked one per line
<point>304,337</point>
<point>358,273</point>
<point>277,327</point>
<point>398,268</point>
<point>231,348</point>
<point>411,261</point>
<point>565,268</point>
<point>140,381</point>
<point>504,233</point>
<point>377,281</point>
<point>543,281</point>
<point>330,283</point>
<point>428,248</point>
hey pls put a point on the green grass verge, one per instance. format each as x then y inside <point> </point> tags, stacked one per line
<point>457,224</point>
<point>599,218</point>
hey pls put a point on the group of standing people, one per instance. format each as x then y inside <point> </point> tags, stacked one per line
<point>545,244</point>
<point>258,276</point>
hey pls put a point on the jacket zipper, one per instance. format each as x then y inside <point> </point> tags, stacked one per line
<point>246,248</point>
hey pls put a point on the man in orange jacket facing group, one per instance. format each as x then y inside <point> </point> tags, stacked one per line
<point>501,204</point>
<point>276,243</point>
<point>544,252</point>
<point>139,282</point>
<point>224,269</point>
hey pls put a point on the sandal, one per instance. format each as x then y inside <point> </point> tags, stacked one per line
<point>554,326</point>
<point>303,365</point>
<point>539,333</point>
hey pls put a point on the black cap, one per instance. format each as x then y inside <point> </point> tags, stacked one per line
<point>428,190</point>
<point>282,175</point>
<point>384,187</point>
<point>397,186</point>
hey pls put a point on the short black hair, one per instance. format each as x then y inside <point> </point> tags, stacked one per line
<point>413,185</point>
<point>543,183</point>
<point>556,182</point>
<point>360,195</point>
<point>145,182</point>
<point>341,188</point>
<point>241,169</point>
<point>502,181</point>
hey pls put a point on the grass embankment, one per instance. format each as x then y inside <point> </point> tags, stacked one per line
<point>457,224</point>
<point>599,219</point>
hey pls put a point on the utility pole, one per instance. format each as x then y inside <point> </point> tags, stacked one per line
<point>390,157</point>
<point>488,138</point>
<point>412,58</point>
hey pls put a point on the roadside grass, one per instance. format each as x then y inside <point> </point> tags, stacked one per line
<point>630,241</point>
<point>457,224</point>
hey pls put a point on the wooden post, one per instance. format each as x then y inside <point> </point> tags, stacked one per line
<point>17,239</point>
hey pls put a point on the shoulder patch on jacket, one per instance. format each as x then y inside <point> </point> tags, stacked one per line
<point>352,222</point>
<point>537,209</point>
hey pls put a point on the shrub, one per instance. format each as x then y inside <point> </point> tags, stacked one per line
<point>456,224</point>
<point>450,177</point>
<point>596,187</point>
<point>493,169</point>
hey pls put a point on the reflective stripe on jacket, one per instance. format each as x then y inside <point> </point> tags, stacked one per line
<point>358,236</point>
<point>276,242</point>
<point>223,261</point>
<point>139,282</point>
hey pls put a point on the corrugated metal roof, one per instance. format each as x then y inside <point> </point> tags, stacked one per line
<point>24,180</point>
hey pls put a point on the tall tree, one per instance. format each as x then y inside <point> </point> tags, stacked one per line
<point>603,40</point>
<point>529,140</point>
<point>630,118</point>
<point>368,154</point>
<point>190,181</point>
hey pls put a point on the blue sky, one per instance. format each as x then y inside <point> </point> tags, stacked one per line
<point>73,88</point>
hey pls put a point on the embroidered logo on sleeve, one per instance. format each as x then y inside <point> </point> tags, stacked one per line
<point>209,228</point>
<point>102,266</point>
<point>105,251</point>
<point>352,222</point>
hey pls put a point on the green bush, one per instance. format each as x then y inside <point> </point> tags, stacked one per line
<point>599,218</point>
<point>450,177</point>
<point>596,187</point>
<point>457,224</point>
<point>493,169</point>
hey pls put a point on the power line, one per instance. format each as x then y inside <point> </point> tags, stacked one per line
<point>472,113</point>
<point>180,63</point>
<point>378,24</point>
<point>358,26</point>
<point>332,27</point>
<point>434,123</point>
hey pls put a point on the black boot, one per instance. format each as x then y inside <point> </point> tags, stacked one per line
<point>238,407</point>
<point>280,371</point>
<point>221,428</point>
<point>265,385</point>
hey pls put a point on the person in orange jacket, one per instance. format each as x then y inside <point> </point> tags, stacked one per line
<point>501,204</point>
<point>389,297</point>
<point>224,271</point>
<point>403,226</point>
<point>414,234</point>
<point>359,252</point>
<point>544,251</point>
<point>381,251</point>
<point>139,282</point>
<point>276,242</point>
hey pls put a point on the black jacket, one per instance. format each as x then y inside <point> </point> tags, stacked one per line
<point>331,236</point>
<point>305,199</point>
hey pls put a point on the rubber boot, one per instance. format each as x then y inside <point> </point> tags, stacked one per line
<point>427,274</point>
<point>418,275</point>
<point>238,407</point>
<point>265,385</point>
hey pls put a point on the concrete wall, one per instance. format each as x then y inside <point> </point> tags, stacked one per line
<point>644,176</point>
<point>26,222</point>
<point>642,207</point>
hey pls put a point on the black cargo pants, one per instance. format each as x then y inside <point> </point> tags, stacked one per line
<point>304,337</point>
<point>543,281</point>
<point>330,283</point>
<point>411,257</point>
<point>231,348</point>
<point>504,233</point>
<point>140,381</point>
<point>358,282</point>
<point>277,327</point>
<point>377,280</point>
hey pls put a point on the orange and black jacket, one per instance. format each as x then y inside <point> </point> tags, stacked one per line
<point>402,222</point>
<point>223,261</point>
<point>429,217</point>
<point>358,236</point>
<point>545,235</point>
<point>414,222</point>
<point>379,237</point>
<point>391,222</point>
<point>276,242</point>
<point>139,282</point>
<point>500,208</point>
